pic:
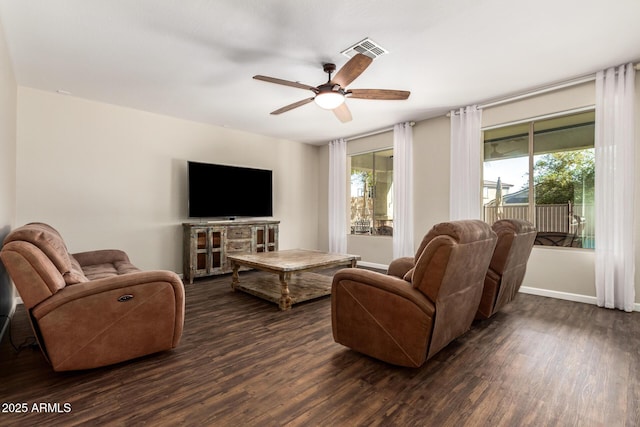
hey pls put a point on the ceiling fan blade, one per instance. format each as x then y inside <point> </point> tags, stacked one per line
<point>379,94</point>
<point>292,106</point>
<point>352,69</point>
<point>285,83</point>
<point>343,113</point>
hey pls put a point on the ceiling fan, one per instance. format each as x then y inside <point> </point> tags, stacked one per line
<point>332,94</point>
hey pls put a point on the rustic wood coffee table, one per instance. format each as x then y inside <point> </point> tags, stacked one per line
<point>294,282</point>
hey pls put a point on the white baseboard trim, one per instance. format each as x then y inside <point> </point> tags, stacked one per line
<point>565,296</point>
<point>373,265</point>
<point>586,299</point>
<point>558,295</point>
<point>527,290</point>
<point>18,300</point>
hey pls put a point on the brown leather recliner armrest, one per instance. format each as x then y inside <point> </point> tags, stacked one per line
<point>102,286</point>
<point>382,316</point>
<point>102,256</point>
<point>108,320</point>
<point>385,283</point>
<point>400,266</point>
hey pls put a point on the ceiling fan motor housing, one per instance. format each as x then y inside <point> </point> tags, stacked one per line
<point>329,68</point>
<point>331,87</point>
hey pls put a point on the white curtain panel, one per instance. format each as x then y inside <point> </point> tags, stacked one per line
<point>465,175</point>
<point>403,190</point>
<point>614,188</point>
<point>338,196</point>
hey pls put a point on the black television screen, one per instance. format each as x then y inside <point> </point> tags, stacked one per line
<point>229,191</point>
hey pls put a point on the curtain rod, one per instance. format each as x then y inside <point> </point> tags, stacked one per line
<point>542,117</point>
<point>543,90</point>
<point>375,132</point>
<point>539,91</point>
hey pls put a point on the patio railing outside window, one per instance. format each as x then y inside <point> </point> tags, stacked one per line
<point>372,193</point>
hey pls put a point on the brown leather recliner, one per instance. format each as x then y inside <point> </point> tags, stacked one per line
<point>93,308</point>
<point>422,303</point>
<point>508,265</point>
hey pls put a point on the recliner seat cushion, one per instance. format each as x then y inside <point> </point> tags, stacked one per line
<point>100,271</point>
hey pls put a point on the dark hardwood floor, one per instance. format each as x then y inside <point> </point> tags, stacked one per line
<point>241,362</point>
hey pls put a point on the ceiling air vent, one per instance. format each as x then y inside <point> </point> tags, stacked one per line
<point>366,47</point>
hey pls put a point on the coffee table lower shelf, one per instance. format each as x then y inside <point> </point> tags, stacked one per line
<point>294,282</point>
<point>302,286</point>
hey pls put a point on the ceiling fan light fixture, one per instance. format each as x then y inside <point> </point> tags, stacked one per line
<point>329,100</point>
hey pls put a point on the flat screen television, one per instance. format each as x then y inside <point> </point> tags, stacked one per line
<point>229,191</point>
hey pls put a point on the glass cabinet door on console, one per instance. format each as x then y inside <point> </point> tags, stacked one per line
<point>206,245</point>
<point>272,237</point>
<point>216,236</point>
<point>266,238</point>
<point>202,251</point>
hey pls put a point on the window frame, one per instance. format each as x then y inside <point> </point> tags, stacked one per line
<point>372,232</point>
<point>531,157</point>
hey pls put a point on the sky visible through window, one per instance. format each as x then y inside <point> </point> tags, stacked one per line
<point>511,171</point>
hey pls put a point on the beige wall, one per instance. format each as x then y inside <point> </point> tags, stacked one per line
<point>431,175</point>
<point>107,176</point>
<point>551,271</point>
<point>8,94</point>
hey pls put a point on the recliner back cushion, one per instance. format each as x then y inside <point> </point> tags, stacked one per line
<point>432,265</point>
<point>515,241</point>
<point>49,241</point>
<point>502,251</point>
<point>45,239</point>
<point>437,247</point>
<point>33,273</point>
<point>450,272</point>
<point>512,234</point>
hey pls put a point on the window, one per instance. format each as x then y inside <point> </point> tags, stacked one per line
<point>372,193</point>
<point>558,153</point>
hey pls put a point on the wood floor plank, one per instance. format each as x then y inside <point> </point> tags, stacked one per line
<point>241,361</point>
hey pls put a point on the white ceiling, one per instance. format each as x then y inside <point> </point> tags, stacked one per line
<point>195,59</point>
